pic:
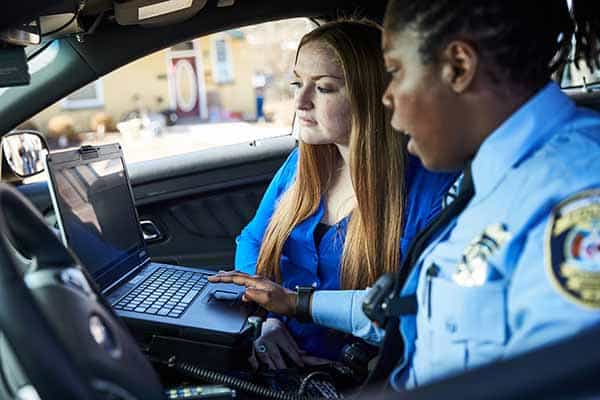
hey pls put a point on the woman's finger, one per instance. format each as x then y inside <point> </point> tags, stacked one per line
<point>230,277</point>
<point>292,353</point>
<point>252,360</point>
<point>265,359</point>
<point>276,356</point>
<point>293,342</point>
<point>241,279</point>
<point>288,344</point>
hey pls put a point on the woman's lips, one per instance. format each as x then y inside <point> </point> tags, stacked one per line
<point>307,121</point>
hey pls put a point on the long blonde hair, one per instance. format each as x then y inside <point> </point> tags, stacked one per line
<point>377,163</point>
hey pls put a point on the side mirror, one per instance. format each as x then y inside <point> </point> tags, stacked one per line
<point>24,152</point>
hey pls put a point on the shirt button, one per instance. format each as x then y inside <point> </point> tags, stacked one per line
<point>451,326</point>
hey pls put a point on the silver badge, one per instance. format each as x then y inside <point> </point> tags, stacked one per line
<point>473,268</point>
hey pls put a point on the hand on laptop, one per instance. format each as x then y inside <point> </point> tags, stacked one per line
<point>267,294</point>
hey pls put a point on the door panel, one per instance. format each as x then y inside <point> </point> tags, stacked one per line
<point>199,202</point>
<point>200,230</point>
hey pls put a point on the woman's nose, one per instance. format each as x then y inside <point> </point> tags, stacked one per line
<point>387,98</point>
<point>303,98</point>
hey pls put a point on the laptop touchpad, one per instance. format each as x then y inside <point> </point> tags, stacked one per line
<point>224,296</point>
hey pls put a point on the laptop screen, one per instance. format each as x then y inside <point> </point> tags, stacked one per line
<point>98,217</point>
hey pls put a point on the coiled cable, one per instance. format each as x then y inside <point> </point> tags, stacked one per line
<point>234,382</point>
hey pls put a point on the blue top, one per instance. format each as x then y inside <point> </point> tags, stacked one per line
<point>302,264</point>
<point>520,266</point>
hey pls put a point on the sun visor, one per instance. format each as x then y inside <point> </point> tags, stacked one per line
<point>13,66</point>
<point>155,12</point>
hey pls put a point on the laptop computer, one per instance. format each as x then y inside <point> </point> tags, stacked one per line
<point>97,219</point>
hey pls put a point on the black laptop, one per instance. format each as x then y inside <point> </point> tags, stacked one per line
<point>97,218</point>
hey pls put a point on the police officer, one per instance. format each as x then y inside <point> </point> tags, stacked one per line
<point>517,266</point>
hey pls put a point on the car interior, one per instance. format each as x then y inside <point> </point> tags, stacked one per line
<point>60,337</point>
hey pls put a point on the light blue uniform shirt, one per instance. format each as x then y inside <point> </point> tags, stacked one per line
<point>492,295</point>
<point>489,293</point>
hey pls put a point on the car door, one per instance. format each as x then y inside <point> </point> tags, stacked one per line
<point>192,207</point>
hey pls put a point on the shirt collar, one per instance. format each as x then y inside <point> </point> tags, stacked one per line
<point>519,135</point>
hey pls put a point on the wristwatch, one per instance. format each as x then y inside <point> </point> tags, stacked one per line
<point>303,300</point>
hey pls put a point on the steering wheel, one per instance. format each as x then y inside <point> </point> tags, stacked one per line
<point>65,337</point>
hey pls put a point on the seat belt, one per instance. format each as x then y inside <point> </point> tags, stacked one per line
<point>384,305</point>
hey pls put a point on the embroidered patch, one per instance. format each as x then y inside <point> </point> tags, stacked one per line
<point>473,268</point>
<point>573,248</point>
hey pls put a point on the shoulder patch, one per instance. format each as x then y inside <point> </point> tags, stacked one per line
<point>573,248</point>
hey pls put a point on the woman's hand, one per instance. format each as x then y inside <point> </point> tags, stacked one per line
<point>274,343</point>
<point>269,295</point>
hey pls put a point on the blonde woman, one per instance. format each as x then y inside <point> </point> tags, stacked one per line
<point>343,207</point>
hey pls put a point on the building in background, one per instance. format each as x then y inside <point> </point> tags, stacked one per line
<point>236,75</point>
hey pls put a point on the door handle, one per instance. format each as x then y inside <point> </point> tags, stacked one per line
<point>150,231</point>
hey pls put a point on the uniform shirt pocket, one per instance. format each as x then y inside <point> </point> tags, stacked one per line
<point>467,324</point>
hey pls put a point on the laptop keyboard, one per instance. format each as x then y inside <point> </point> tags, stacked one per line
<point>166,292</point>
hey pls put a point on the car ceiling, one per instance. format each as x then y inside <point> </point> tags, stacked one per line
<point>209,20</point>
<point>99,54</point>
<point>22,10</point>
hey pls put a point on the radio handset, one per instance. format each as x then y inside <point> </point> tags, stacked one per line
<point>383,301</point>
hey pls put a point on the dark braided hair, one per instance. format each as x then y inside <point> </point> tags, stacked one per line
<point>524,41</point>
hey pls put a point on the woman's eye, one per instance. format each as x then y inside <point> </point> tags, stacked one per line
<point>392,71</point>
<point>322,89</point>
<point>295,84</point>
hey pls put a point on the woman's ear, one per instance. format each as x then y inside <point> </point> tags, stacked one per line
<point>460,61</point>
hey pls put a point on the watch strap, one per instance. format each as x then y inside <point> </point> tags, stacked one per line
<point>303,302</point>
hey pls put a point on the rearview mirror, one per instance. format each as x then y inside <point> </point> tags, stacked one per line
<point>24,152</point>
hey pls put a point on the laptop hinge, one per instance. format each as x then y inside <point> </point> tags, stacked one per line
<point>125,277</point>
<point>88,152</point>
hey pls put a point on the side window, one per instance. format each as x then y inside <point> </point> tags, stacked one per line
<point>223,71</point>
<point>89,96</point>
<point>226,88</point>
